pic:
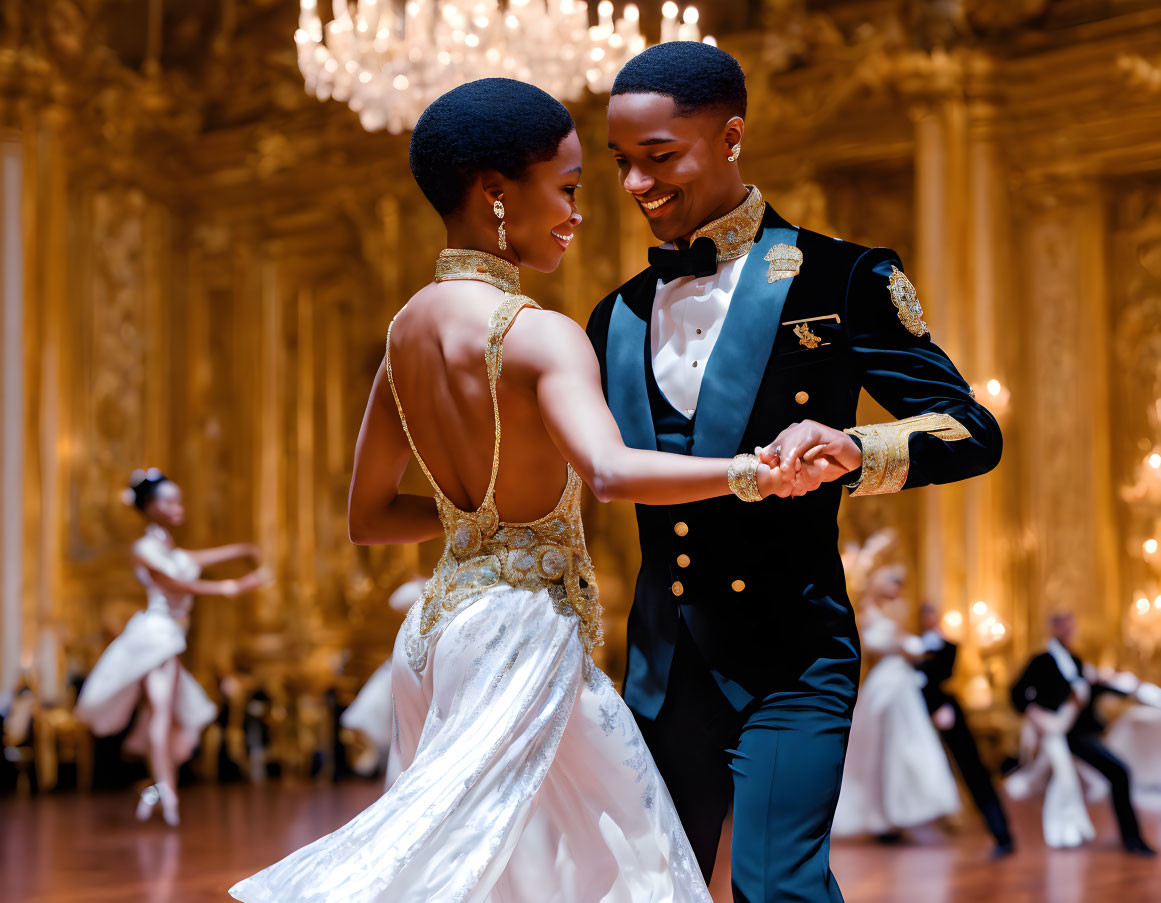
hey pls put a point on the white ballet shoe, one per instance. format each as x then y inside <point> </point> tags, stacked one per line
<point>149,798</point>
<point>169,805</point>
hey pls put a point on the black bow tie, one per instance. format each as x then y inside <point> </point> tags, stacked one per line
<point>700,259</point>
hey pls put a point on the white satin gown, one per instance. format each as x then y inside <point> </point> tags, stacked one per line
<point>113,690</point>
<point>896,774</point>
<point>525,779</point>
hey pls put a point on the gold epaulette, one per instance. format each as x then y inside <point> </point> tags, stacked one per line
<point>886,450</point>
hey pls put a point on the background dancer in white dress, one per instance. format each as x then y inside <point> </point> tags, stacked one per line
<point>896,775</point>
<point>371,712</point>
<point>142,660</point>
<point>527,778</point>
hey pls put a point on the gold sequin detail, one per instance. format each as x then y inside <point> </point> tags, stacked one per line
<point>481,551</point>
<point>733,234</point>
<point>742,478</point>
<point>887,453</point>
<point>906,301</point>
<point>456,263</point>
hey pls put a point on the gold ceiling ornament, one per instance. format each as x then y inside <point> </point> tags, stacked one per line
<point>389,59</point>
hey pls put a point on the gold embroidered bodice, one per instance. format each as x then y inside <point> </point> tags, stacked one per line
<point>482,552</point>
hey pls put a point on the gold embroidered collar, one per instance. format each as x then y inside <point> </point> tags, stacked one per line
<point>733,234</point>
<point>455,263</point>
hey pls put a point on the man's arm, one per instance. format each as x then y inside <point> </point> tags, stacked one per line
<point>943,434</point>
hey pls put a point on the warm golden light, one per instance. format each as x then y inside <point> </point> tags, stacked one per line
<point>1150,546</point>
<point>980,608</point>
<point>953,619</point>
<point>1155,461</point>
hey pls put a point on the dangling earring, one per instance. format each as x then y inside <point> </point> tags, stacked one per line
<point>498,209</point>
<point>735,152</point>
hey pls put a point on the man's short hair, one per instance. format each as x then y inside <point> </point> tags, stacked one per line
<point>697,76</point>
<point>490,124</point>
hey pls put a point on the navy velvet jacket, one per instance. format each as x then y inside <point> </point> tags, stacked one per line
<point>763,590</point>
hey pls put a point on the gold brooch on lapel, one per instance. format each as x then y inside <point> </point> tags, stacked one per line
<point>806,338</point>
<point>906,301</point>
<point>785,262</point>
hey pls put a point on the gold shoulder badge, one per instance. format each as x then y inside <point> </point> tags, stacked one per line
<point>785,262</point>
<point>906,301</point>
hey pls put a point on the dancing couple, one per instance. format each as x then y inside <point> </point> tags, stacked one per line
<point>525,776</point>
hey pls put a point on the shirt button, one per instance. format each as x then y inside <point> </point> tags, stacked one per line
<point>681,528</point>
<point>683,561</point>
<point>699,332</point>
<point>802,398</point>
<point>695,364</point>
<point>677,588</point>
<point>738,585</point>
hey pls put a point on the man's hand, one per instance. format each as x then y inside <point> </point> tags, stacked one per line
<point>810,454</point>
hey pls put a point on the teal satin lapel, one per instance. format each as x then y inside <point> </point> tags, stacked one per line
<point>741,352</point>
<point>625,359</point>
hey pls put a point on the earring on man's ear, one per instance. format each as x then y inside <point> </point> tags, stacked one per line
<point>498,209</point>
<point>735,152</point>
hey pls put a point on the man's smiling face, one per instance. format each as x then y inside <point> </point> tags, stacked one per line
<point>675,167</point>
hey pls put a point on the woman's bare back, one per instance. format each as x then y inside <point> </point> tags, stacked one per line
<point>437,360</point>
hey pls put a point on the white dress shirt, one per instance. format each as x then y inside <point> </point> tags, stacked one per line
<point>688,314</point>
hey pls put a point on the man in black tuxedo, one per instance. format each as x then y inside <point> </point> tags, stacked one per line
<point>743,655</point>
<point>1050,680</point>
<point>937,666</point>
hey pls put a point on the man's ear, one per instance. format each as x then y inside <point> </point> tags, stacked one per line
<point>734,128</point>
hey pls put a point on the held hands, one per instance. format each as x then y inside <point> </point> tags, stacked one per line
<point>808,454</point>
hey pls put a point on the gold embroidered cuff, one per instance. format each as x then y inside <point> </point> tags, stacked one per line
<point>742,477</point>
<point>886,449</point>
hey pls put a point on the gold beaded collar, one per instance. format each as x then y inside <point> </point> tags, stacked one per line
<point>454,263</point>
<point>733,234</point>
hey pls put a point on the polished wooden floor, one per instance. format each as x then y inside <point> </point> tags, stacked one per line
<point>88,849</point>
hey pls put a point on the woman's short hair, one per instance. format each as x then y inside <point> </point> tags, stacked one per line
<point>491,124</point>
<point>697,76</point>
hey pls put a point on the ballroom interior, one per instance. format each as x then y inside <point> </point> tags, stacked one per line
<point>199,260</point>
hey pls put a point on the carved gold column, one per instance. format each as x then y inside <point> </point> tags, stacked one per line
<point>933,86</point>
<point>11,412</point>
<point>1065,462</point>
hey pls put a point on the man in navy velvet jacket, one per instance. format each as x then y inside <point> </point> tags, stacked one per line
<point>743,654</point>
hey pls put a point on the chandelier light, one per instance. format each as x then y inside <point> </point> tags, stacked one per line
<point>388,59</point>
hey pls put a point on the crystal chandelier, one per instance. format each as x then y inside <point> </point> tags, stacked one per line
<point>388,59</point>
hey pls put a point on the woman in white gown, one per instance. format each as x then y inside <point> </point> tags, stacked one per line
<point>142,660</point>
<point>526,778</point>
<point>897,775</point>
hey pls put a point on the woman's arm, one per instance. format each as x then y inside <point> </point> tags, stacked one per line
<point>255,579</point>
<point>568,389</point>
<point>376,513</point>
<point>208,557</point>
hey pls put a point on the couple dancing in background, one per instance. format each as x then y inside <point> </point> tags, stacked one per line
<point>525,776</point>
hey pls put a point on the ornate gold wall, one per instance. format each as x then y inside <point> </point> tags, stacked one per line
<point>211,259</point>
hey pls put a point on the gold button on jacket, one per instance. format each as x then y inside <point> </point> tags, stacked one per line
<point>681,528</point>
<point>802,397</point>
<point>677,588</point>
<point>683,561</point>
<point>738,585</point>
